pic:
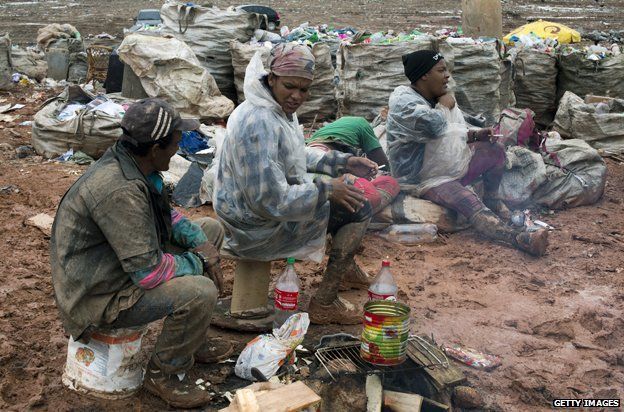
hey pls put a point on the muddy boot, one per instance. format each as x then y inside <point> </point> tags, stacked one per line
<point>497,206</point>
<point>491,226</point>
<point>176,392</point>
<point>344,244</point>
<point>354,276</point>
<point>341,271</point>
<point>214,350</point>
<point>339,311</point>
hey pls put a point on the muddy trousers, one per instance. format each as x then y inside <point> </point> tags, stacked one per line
<point>186,303</point>
<point>347,230</point>
<point>488,160</point>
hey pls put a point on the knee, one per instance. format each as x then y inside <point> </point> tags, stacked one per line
<point>197,291</point>
<point>388,184</point>
<point>213,230</point>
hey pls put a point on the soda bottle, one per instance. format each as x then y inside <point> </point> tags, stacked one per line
<point>383,286</point>
<point>286,294</point>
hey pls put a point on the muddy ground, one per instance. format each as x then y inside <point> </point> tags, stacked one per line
<point>556,322</point>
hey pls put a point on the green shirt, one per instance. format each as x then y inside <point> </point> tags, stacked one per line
<point>355,132</point>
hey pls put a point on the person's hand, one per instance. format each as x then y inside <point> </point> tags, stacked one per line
<point>485,135</point>
<point>212,267</point>
<point>362,167</point>
<point>447,100</point>
<point>346,195</point>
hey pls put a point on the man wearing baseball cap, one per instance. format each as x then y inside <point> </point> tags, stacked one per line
<point>122,257</point>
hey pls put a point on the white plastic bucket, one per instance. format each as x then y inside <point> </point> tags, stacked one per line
<point>108,366</point>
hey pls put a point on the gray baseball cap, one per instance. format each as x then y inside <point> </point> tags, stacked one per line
<point>150,120</point>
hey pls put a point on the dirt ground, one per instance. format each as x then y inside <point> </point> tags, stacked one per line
<point>556,322</point>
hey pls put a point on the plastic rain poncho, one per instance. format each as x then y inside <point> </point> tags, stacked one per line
<point>426,146</point>
<point>264,196</point>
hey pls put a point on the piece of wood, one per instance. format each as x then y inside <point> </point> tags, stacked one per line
<point>41,221</point>
<point>374,393</point>
<point>482,18</point>
<point>246,400</point>
<point>402,402</point>
<point>288,398</point>
<point>441,376</point>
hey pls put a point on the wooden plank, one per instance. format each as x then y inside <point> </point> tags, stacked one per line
<point>288,398</point>
<point>402,402</point>
<point>374,393</point>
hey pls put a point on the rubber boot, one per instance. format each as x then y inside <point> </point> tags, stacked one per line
<point>214,350</point>
<point>326,307</point>
<point>491,226</point>
<point>497,206</point>
<point>176,392</point>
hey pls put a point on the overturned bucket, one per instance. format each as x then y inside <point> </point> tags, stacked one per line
<point>108,366</point>
<point>385,333</point>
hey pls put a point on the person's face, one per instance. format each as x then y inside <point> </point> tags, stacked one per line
<point>437,79</point>
<point>289,92</point>
<point>162,155</point>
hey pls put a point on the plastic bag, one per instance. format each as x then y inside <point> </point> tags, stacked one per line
<point>447,157</point>
<point>267,352</point>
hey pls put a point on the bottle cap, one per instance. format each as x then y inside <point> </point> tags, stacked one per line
<point>290,260</point>
<point>385,263</point>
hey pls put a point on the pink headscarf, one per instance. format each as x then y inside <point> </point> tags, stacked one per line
<point>295,60</point>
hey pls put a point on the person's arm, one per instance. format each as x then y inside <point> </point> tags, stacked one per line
<point>378,156</point>
<point>261,177</point>
<point>414,120</point>
<point>185,233</point>
<point>125,219</point>
<point>332,163</point>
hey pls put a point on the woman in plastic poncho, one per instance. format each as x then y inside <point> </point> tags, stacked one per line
<point>265,194</point>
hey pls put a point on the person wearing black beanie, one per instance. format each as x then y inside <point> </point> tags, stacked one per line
<point>434,155</point>
<point>429,76</point>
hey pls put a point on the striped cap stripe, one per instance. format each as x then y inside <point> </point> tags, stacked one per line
<point>162,124</point>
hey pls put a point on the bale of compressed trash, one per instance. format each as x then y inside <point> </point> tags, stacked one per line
<point>5,61</point>
<point>169,69</point>
<point>241,56</point>
<point>583,73</point>
<point>76,120</point>
<point>576,175</point>
<point>599,124</point>
<point>535,85</point>
<point>476,69</point>
<point>507,95</point>
<point>208,32</point>
<point>369,72</point>
<point>30,62</point>
<point>525,171</point>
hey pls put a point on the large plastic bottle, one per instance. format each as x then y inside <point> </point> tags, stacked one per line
<point>383,286</point>
<point>286,294</point>
<point>410,234</point>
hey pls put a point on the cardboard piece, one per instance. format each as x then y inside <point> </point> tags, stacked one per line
<point>42,221</point>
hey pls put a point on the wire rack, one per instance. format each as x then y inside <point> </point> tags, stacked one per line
<point>345,359</point>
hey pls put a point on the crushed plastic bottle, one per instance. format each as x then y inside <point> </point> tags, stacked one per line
<point>383,286</point>
<point>410,234</point>
<point>286,294</point>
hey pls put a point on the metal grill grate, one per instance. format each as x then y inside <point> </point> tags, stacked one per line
<point>345,359</point>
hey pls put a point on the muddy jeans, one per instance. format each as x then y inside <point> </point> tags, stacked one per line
<point>488,160</point>
<point>186,303</point>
